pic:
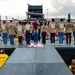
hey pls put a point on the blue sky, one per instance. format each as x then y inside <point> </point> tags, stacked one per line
<point>18,8</point>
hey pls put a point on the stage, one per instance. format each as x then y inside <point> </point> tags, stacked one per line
<point>47,60</point>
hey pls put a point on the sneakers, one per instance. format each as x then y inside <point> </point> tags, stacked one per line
<point>29,46</point>
<point>13,44</point>
<point>60,44</point>
<point>20,43</point>
<point>52,43</point>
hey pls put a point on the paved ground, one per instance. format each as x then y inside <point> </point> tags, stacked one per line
<point>35,61</point>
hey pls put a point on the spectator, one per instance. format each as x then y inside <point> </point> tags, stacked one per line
<point>72,66</point>
<point>2,51</point>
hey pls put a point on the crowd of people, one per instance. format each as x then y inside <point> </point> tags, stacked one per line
<point>34,31</point>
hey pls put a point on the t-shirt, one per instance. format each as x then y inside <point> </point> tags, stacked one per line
<point>4,28</point>
<point>12,28</point>
<point>43,28</point>
<point>74,27</point>
<point>20,30</point>
<point>61,27</point>
<point>52,27</point>
<point>27,27</point>
<point>68,28</point>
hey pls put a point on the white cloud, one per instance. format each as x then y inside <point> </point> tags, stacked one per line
<point>63,7</point>
<point>13,7</point>
<point>56,8</point>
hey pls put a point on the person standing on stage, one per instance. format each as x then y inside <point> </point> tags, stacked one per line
<point>12,28</point>
<point>4,29</point>
<point>61,31</point>
<point>43,32</point>
<point>20,33</point>
<point>31,31</point>
<point>74,32</point>
<point>52,31</point>
<point>39,30</point>
<point>27,29</point>
<point>35,29</point>
<point>68,32</point>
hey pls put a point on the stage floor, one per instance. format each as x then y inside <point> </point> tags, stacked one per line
<point>35,61</point>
